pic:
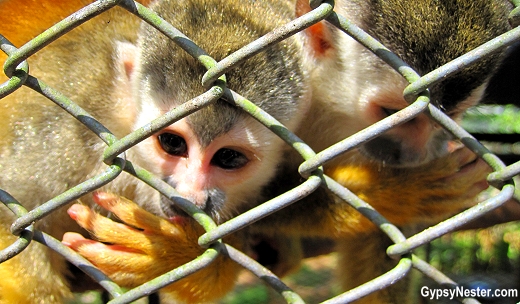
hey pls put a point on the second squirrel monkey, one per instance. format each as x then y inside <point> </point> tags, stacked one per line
<point>220,158</point>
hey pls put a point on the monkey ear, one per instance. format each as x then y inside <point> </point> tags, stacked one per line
<point>126,56</point>
<point>319,34</point>
<point>125,60</point>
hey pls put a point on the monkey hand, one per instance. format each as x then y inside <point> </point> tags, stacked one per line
<point>145,246</point>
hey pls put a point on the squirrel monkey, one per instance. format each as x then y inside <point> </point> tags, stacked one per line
<point>220,158</point>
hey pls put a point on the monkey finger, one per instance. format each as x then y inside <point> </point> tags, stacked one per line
<point>473,175</point>
<point>91,220</point>
<point>133,215</point>
<point>122,264</point>
<point>454,145</point>
<point>77,242</point>
<point>464,156</point>
<point>470,166</point>
<point>106,230</point>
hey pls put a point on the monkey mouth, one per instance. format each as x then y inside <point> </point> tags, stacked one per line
<point>170,209</point>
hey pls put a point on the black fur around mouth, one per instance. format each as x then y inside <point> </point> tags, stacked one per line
<point>213,206</point>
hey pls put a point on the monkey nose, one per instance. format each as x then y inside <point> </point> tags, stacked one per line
<point>198,198</point>
<point>171,209</point>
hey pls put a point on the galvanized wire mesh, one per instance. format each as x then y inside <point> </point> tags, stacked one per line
<point>16,68</point>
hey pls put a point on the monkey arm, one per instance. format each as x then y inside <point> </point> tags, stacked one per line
<point>145,246</point>
<point>426,193</point>
<point>404,196</point>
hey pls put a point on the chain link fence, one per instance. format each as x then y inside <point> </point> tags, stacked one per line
<point>16,68</point>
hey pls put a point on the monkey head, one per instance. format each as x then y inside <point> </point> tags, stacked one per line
<point>372,90</point>
<point>218,157</point>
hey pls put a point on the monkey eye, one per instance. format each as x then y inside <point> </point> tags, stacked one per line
<point>173,144</point>
<point>229,159</point>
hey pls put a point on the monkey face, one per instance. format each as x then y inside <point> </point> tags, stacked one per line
<point>361,89</point>
<point>219,175</point>
<point>419,139</point>
<point>218,157</point>
<point>373,91</point>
